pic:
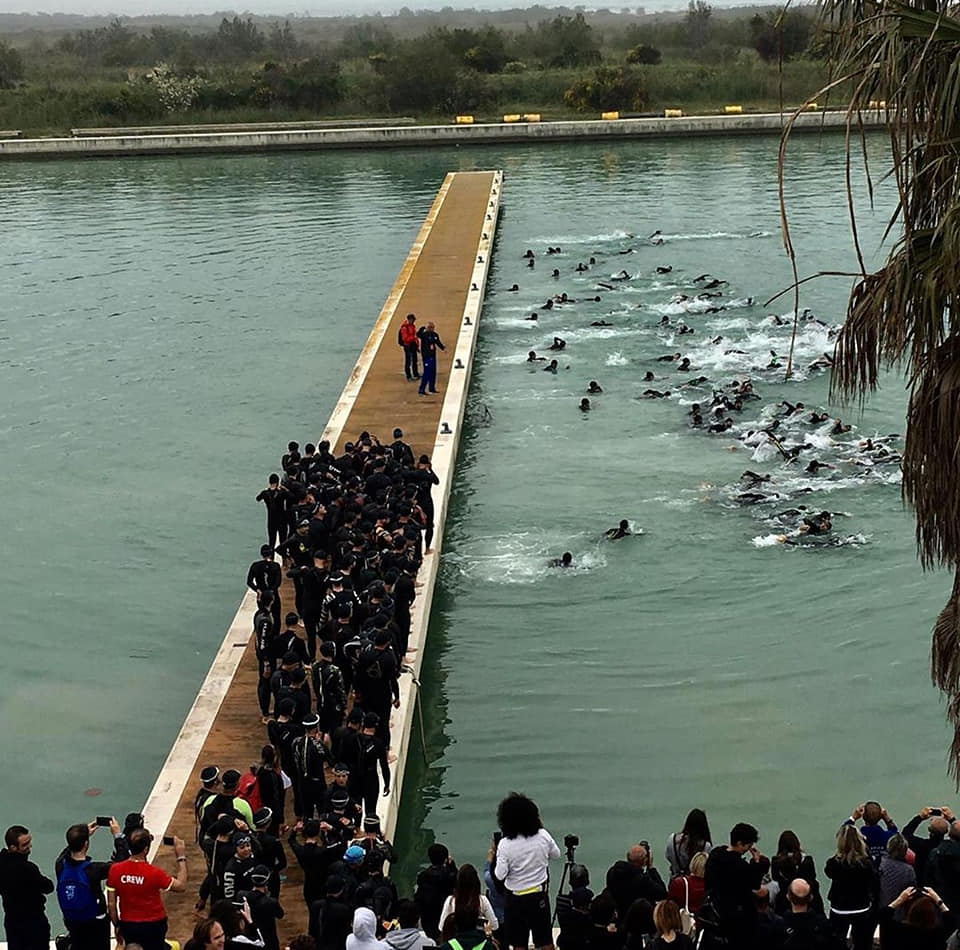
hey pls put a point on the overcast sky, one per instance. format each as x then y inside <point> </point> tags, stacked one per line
<point>294,7</point>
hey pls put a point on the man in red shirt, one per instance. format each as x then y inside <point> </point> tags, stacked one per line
<point>407,338</point>
<point>134,889</point>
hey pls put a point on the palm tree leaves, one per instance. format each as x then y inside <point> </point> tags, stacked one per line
<point>903,59</point>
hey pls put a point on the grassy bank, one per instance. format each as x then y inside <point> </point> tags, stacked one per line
<point>48,105</point>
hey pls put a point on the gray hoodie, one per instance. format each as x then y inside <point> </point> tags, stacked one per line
<point>411,938</point>
<point>364,936</point>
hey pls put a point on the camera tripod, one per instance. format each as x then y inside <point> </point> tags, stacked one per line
<point>570,842</point>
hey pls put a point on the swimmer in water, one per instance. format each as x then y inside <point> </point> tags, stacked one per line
<point>565,561</point>
<point>696,420</point>
<point>721,426</point>
<point>604,286</point>
<point>581,268</point>
<point>648,377</point>
<point>622,530</point>
<point>593,260</point>
<point>623,275</point>
<point>817,524</point>
<point>714,284</point>
<point>839,428</point>
<point>557,344</point>
<point>551,367</point>
<point>555,273</point>
<point>532,316</point>
<point>513,289</point>
<point>684,365</point>
<point>563,298</point>
<point>697,280</point>
<point>548,305</point>
<point>669,358</point>
<point>683,329</point>
<point>601,323</point>
<point>664,321</point>
<point>664,270</point>
<point>594,387</point>
<point>717,340</point>
<point>655,394</point>
<point>815,418</point>
<point>533,358</point>
<point>585,405</point>
<point>754,478</point>
<point>531,262</point>
<point>813,467</point>
<point>528,254</point>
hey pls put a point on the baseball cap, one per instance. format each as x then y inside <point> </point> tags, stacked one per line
<point>354,854</point>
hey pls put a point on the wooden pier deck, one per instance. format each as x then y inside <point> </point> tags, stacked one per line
<point>442,280</point>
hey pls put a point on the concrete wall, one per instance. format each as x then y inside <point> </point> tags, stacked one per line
<point>412,136</point>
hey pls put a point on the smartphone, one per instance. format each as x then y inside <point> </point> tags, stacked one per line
<point>934,812</point>
<point>168,839</point>
<point>103,821</point>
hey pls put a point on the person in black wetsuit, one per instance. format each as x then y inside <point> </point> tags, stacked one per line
<point>566,560</point>
<point>329,688</point>
<point>369,754</point>
<point>310,756</point>
<point>424,477</point>
<point>276,499</point>
<point>313,587</point>
<point>264,909</point>
<point>622,530</point>
<point>267,575</point>
<point>263,634</point>
<point>376,685</point>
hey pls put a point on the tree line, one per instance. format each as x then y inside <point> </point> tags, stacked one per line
<point>567,60</point>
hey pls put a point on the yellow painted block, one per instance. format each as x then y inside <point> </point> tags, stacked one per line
<point>464,120</point>
<point>610,116</point>
<point>673,113</point>
<point>812,106</point>
<point>513,117</point>
<point>733,110</point>
<point>531,117</point>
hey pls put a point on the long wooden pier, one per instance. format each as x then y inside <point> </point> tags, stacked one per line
<point>443,281</point>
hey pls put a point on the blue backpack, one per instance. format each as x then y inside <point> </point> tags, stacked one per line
<point>77,900</point>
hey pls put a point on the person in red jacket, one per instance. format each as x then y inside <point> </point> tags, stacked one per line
<point>407,338</point>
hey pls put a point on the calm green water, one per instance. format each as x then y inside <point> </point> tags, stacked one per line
<point>167,325</point>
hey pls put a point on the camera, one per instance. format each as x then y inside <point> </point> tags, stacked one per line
<point>571,841</point>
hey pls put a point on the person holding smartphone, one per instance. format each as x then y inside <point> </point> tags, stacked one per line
<point>80,886</point>
<point>135,889</point>
<point>940,818</point>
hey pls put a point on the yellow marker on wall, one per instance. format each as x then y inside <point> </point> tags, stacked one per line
<point>531,117</point>
<point>673,113</point>
<point>513,117</point>
<point>610,116</point>
<point>464,120</point>
<point>733,110</point>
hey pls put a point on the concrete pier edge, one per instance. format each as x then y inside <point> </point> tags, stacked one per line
<point>426,135</point>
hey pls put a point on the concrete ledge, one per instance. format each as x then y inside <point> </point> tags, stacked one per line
<point>180,143</point>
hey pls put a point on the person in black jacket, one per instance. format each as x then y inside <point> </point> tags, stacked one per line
<point>634,878</point>
<point>940,819</point>
<point>434,885</point>
<point>90,931</point>
<point>310,756</point>
<point>732,886</point>
<point>429,341</point>
<point>24,891</point>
